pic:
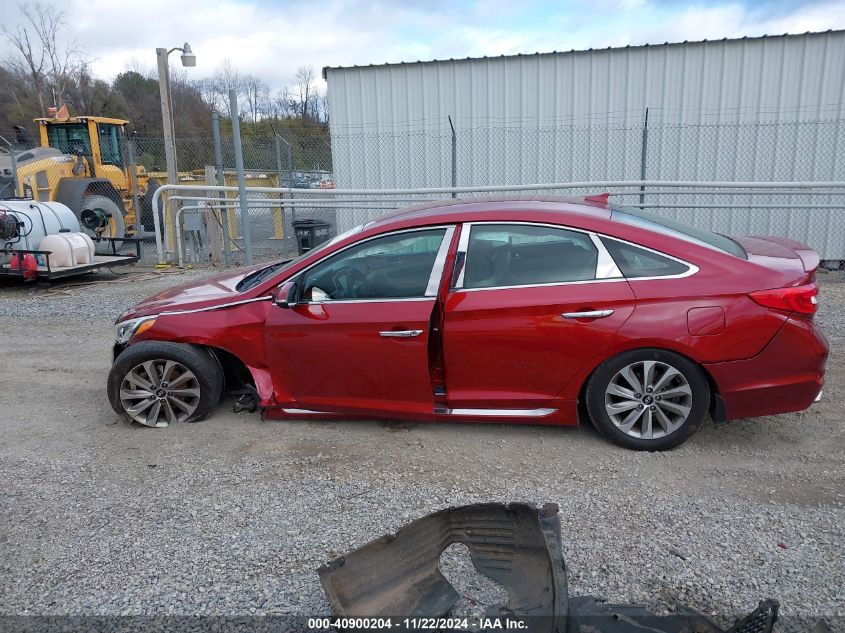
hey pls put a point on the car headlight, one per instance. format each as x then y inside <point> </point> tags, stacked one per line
<point>125,330</point>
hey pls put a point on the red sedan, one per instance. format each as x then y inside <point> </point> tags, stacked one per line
<point>531,311</point>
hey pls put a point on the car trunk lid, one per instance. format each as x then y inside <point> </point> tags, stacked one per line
<point>796,262</point>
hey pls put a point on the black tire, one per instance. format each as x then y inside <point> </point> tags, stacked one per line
<point>198,360</point>
<point>146,218</point>
<point>117,224</point>
<point>698,401</point>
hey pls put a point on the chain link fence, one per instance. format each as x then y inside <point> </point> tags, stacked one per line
<point>466,153</point>
<point>491,153</point>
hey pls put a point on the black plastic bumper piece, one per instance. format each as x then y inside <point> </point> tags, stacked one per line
<point>517,545</point>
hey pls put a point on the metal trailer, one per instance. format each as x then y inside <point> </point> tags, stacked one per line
<point>47,272</point>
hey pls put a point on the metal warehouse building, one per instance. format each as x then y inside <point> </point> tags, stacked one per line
<point>753,109</point>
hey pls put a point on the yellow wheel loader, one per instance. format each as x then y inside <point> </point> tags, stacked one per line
<point>82,162</point>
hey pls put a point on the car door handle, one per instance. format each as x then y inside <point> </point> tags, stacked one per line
<point>400,333</point>
<point>587,314</point>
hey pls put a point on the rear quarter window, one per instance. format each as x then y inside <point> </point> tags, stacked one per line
<point>634,261</point>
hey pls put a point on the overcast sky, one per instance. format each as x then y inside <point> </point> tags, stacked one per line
<point>271,38</point>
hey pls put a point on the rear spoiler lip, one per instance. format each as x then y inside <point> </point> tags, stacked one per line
<point>808,256</point>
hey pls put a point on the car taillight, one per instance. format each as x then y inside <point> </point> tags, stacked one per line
<point>800,299</point>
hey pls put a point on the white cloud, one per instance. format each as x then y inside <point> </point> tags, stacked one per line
<point>272,40</point>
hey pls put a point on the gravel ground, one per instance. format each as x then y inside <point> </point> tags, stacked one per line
<point>233,515</point>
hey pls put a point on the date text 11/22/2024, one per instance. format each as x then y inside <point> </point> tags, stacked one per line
<point>418,624</point>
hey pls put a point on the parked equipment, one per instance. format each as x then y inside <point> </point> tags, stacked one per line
<point>82,162</point>
<point>45,240</point>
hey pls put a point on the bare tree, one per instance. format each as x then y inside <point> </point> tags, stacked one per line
<point>51,66</point>
<point>31,61</point>
<point>226,78</point>
<point>322,107</point>
<point>257,95</point>
<point>282,104</point>
<point>135,65</point>
<point>207,88</point>
<point>305,92</point>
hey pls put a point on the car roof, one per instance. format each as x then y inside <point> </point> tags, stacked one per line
<point>535,208</point>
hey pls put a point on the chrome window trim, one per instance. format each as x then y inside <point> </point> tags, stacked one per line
<point>544,285</point>
<point>692,268</point>
<point>439,261</point>
<point>376,300</point>
<point>606,267</point>
<point>604,261</point>
<point>450,228</point>
<point>595,236</point>
<point>463,244</point>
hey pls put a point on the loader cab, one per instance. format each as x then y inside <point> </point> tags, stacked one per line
<point>98,138</point>
<point>69,138</point>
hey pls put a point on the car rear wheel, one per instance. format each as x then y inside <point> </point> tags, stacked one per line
<point>648,399</point>
<point>157,383</point>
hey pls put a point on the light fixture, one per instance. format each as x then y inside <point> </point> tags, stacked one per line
<point>188,57</point>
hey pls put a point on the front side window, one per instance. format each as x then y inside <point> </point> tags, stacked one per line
<point>520,255</point>
<point>394,266</point>
<point>634,261</point>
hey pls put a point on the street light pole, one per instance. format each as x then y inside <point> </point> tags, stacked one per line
<point>188,59</point>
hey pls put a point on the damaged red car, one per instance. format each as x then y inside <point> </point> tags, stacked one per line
<point>540,311</point>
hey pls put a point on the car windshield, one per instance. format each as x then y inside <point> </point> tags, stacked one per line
<point>681,230</point>
<point>262,274</point>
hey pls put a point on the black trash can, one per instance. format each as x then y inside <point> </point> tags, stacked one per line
<point>310,233</point>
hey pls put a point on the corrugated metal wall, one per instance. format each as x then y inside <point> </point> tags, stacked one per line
<point>769,108</point>
<point>781,78</point>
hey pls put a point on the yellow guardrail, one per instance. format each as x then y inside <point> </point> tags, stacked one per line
<point>253,179</point>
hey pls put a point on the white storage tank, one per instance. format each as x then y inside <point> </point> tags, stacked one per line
<point>37,221</point>
<point>68,249</point>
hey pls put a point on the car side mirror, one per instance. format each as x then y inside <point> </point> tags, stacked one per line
<point>285,296</point>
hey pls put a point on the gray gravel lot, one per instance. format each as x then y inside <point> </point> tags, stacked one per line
<point>233,515</point>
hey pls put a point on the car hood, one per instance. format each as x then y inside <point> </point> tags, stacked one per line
<point>203,293</point>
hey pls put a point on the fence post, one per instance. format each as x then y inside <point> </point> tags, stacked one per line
<point>221,180</point>
<point>13,157</point>
<point>213,224</point>
<point>278,218</point>
<point>133,182</point>
<point>170,155</point>
<point>644,156</point>
<point>454,158</point>
<point>239,167</point>
<point>290,181</point>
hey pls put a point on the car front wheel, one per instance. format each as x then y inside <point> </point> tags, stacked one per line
<point>648,399</point>
<point>157,383</point>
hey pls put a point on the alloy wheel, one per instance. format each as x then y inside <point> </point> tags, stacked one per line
<point>648,399</point>
<point>160,392</point>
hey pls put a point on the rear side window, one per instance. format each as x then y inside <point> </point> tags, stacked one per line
<point>634,261</point>
<point>523,255</point>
